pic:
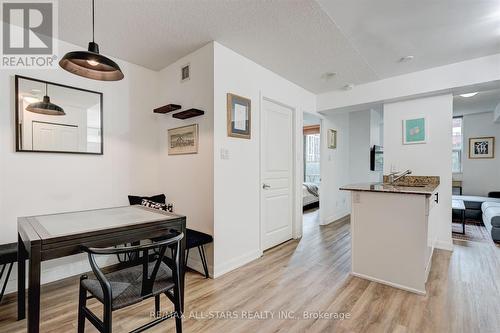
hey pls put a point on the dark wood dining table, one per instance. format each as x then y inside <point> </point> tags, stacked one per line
<point>54,236</point>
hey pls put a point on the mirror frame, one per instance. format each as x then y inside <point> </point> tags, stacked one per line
<point>18,131</point>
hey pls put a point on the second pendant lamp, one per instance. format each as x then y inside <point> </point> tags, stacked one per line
<point>91,64</point>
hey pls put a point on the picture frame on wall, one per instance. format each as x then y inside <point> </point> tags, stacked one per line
<point>415,131</point>
<point>482,147</point>
<point>183,140</point>
<point>239,116</point>
<point>332,139</point>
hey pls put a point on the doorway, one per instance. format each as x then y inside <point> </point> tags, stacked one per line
<point>312,171</point>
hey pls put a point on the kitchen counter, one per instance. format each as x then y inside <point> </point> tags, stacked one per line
<point>428,189</point>
<point>393,231</point>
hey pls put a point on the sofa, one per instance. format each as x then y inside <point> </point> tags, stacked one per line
<point>491,218</point>
<point>485,209</point>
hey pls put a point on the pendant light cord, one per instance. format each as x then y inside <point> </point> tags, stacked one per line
<point>46,89</point>
<point>93,21</point>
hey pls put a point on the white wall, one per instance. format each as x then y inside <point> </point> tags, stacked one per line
<point>41,183</point>
<point>432,80</point>
<point>335,173</point>
<point>430,159</point>
<point>364,132</point>
<point>480,176</point>
<point>237,179</point>
<point>496,114</point>
<point>188,180</point>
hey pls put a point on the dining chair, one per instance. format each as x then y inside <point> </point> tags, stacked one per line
<point>151,275</point>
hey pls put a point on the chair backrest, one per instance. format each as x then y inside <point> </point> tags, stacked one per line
<point>157,256</point>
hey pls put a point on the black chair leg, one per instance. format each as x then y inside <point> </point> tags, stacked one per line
<point>108,317</point>
<point>177,309</point>
<point>187,256</point>
<point>82,303</point>
<point>6,279</point>
<point>201,250</point>
<point>157,305</point>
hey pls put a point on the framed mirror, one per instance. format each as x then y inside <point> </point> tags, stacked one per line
<point>56,118</point>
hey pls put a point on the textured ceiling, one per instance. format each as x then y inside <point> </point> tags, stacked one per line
<point>300,40</point>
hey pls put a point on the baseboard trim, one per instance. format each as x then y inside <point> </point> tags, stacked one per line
<point>444,245</point>
<point>236,263</point>
<point>391,284</point>
<point>332,219</point>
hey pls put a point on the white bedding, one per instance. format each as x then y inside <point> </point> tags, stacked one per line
<point>308,198</point>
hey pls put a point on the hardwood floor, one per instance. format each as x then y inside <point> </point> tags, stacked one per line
<point>309,275</point>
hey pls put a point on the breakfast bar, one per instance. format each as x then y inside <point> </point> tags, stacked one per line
<point>393,231</point>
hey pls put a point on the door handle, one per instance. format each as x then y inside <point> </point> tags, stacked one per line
<point>266,186</point>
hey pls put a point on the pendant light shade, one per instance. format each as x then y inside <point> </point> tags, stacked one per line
<point>91,64</point>
<point>46,107</point>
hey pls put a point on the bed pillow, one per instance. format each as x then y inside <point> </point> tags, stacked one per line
<point>137,200</point>
<point>157,205</point>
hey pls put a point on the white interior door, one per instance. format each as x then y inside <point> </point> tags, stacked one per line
<point>276,174</point>
<point>55,137</point>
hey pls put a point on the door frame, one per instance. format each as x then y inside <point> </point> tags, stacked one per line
<point>296,218</point>
<point>321,155</point>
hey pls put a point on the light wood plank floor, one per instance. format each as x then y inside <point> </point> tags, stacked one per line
<point>310,275</point>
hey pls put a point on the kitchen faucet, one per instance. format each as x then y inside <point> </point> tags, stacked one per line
<point>394,177</point>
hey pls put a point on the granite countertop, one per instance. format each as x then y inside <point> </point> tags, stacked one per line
<point>425,185</point>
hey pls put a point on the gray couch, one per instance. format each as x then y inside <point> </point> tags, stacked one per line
<point>486,209</point>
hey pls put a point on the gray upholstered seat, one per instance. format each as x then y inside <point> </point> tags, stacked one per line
<point>126,285</point>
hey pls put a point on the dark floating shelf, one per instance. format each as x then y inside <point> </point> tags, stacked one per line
<point>188,114</point>
<point>167,108</point>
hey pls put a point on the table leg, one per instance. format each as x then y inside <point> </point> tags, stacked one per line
<point>183,267</point>
<point>463,222</point>
<point>34,290</point>
<point>21,279</point>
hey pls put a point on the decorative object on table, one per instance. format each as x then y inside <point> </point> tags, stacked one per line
<point>45,106</point>
<point>156,205</point>
<point>91,64</point>
<point>483,147</point>
<point>415,131</point>
<point>239,116</point>
<point>72,126</point>
<point>183,140</point>
<point>8,256</point>
<point>332,139</point>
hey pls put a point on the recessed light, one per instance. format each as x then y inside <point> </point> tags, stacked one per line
<point>469,94</point>
<point>348,86</point>
<point>406,58</point>
<point>328,75</point>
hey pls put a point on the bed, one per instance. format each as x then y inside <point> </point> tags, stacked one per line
<point>310,195</point>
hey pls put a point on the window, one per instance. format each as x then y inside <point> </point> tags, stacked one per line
<point>311,158</point>
<point>457,139</point>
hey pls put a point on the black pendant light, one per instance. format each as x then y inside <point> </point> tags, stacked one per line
<point>45,106</point>
<point>91,64</point>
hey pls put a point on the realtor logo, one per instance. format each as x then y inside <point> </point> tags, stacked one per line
<point>28,34</point>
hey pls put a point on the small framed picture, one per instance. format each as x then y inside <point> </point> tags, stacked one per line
<point>483,147</point>
<point>183,140</point>
<point>332,139</point>
<point>415,131</point>
<point>239,116</point>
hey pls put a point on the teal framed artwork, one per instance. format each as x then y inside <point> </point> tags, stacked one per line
<point>415,131</point>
